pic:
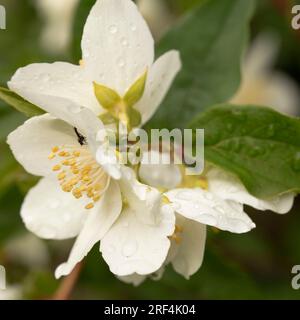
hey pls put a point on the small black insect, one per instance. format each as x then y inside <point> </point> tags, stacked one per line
<point>81,139</point>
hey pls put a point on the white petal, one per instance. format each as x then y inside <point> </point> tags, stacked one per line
<point>59,79</point>
<point>207,208</point>
<point>32,142</point>
<point>134,279</point>
<point>100,219</point>
<point>145,200</point>
<point>117,45</point>
<point>132,246</point>
<point>160,175</point>
<point>106,157</point>
<point>190,251</point>
<point>81,118</point>
<point>228,187</point>
<point>160,78</point>
<point>51,213</point>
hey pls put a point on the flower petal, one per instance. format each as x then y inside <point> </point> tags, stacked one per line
<point>145,200</point>
<point>59,79</point>
<point>167,176</point>
<point>190,251</point>
<point>117,45</point>
<point>50,213</point>
<point>207,208</point>
<point>99,220</point>
<point>32,142</point>
<point>132,246</point>
<point>134,279</point>
<point>76,116</point>
<point>227,187</point>
<point>160,78</point>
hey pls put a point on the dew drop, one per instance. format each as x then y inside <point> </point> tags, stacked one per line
<point>270,131</point>
<point>45,77</point>
<point>48,232</point>
<point>54,204</point>
<point>124,42</point>
<point>230,127</point>
<point>133,27</point>
<point>220,209</point>
<point>129,249</point>
<point>296,162</point>
<point>183,195</point>
<point>113,29</point>
<point>67,217</point>
<point>121,63</point>
<point>208,196</point>
<point>256,151</point>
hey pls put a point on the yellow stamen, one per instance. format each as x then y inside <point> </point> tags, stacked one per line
<point>56,167</point>
<point>55,149</point>
<point>51,156</point>
<point>61,175</point>
<point>89,206</point>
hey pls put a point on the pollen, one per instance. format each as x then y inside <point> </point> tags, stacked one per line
<point>177,235</point>
<point>79,174</point>
<point>90,206</point>
<point>56,167</point>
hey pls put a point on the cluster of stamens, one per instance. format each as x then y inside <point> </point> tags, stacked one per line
<point>176,236</point>
<point>78,173</point>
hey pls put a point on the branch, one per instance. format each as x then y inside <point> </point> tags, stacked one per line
<point>67,285</point>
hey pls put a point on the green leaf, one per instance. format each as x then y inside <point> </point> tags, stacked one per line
<point>136,91</point>
<point>259,145</point>
<point>211,40</point>
<point>19,103</point>
<point>107,97</point>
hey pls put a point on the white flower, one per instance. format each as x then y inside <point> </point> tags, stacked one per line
<point>78,198</point>
<point>264,86</point>
<point>58,19</point>
<point>117,49</point>
<point>215,199</point>
<point>12,292</point>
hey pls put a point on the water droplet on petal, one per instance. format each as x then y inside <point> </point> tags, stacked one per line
<point>184,195</point>
<point>54,204</point>
<point>220,209</point>
<point>124,42</point>
<point>121,63</point>
<point>208,196</point>
<point>45,77</point>
<point>113,29</point>
<point>133,27</point>
<point>129,249</point>
<point>48,232</point>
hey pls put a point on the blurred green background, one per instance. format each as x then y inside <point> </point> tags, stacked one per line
<point>252,266</point>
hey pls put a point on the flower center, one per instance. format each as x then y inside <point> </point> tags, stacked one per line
<point>79,173</point>
<point>176,236</point>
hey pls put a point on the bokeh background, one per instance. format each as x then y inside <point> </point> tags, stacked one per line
<point>252,266</point>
